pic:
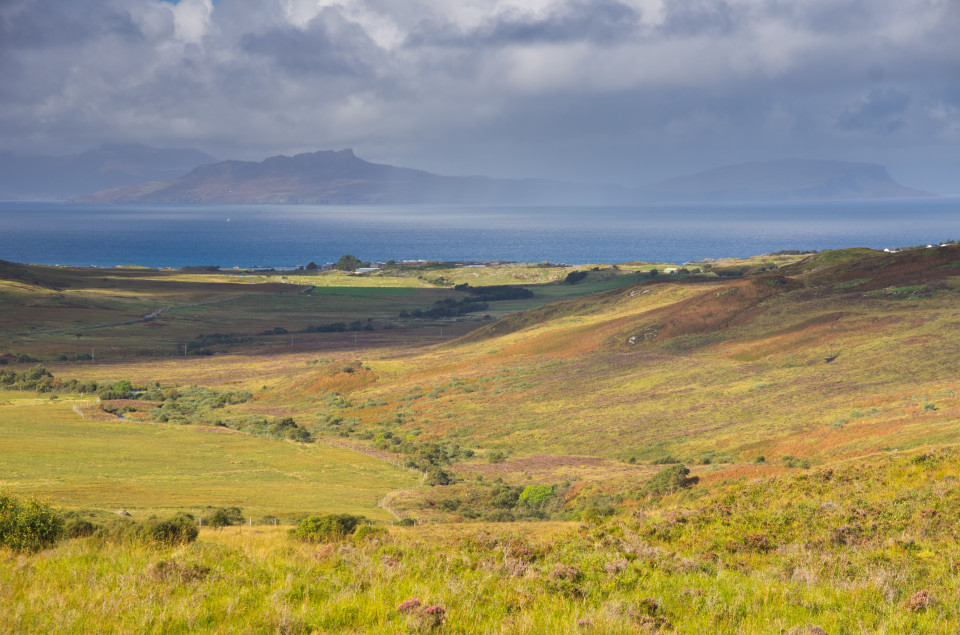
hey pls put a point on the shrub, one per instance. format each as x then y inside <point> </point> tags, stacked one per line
<point>77,527</point>
<point>369,532</point>
<point>225,517</point>
<point>669,480</point>
<point>180,529</point>
<point>407,522</point>
<point>327,527</point>
<point>438,476</point>
<point>792,461</point>
<point>536,496</point>
<point>665,460</point>
<point>499,516</point>
<point>28,525</point>
<point>496,457</point>
<point>505,497</point>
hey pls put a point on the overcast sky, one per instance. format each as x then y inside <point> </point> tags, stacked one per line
<point>625,91</point>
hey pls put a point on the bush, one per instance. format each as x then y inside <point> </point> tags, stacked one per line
<point>669,480</point>
<point>496,457</point>
<point>327,527</point>
<point>28,525</point>
<point>574,277</point>
<point>505,497</point>
<point>369,532</point>
<point>536,496</point>
<point>792,461</point>
<point>77,527</point>
<point>438,476</point>
<point>181,529</point>
<point>665,460</point>
<point>225,517</point>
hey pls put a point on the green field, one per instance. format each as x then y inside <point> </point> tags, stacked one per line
<point>47,449</point>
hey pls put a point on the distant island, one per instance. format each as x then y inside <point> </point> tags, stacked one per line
<point>41,177</point>
<point>787,179</point>
<point>342,178</point>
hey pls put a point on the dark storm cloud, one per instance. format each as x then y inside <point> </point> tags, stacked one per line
<point>602,22</point>
<point>52,23</point>
<point>698,17</point>
<point>328,44</point>
<point>613,90</point>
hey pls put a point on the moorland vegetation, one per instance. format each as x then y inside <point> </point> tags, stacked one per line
<point>762,445</point>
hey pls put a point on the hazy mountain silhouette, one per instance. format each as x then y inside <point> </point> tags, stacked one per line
<point>340,177</point>
<point>58,178</point>
<point>787,179</point>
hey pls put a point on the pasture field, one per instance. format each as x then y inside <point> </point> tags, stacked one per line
<point>47,449</point>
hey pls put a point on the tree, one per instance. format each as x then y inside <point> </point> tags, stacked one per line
<point>670,480</point>
<point>312,266</point>
<point>348,263</point>
<point>225,516</point>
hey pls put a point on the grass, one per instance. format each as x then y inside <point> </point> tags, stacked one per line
<point>838,369</point>
<point>47,449</point>
<point>845,550</point>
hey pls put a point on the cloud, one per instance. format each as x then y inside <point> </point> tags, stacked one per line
<point>615,90</point>
<point>881,111</point>
<point>603,22</point>
<point>327,44</point>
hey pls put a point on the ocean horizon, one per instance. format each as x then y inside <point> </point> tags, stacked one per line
<point>288,236</point>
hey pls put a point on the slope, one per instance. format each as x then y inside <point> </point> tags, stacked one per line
<point>842,355</point>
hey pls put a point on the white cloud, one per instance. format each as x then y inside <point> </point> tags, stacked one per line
<point>192,19</point>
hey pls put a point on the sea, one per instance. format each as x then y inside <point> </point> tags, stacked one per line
<point>288,236</point>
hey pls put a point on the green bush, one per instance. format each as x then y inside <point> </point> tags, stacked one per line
<point>224,517</point>
<point>536,496</point>
<point>28,525</point>
<point>792,461</point>
<point>327,527</point>
<point>669,480</point>
<point>574,277</point>
<point>179,529</point>
<point>369,532</point>
<point>665,460</point>
<point>438,476</point>
<point>77,527</point>
<point>496,457</point>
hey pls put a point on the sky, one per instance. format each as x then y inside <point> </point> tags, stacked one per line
<point>609,91</point>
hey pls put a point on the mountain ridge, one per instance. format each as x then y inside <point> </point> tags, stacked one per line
<point>340,177</point>
<point>42,177</point>
<point>790,179</point>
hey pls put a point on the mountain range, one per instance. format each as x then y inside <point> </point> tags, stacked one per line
<point>139,174</point>
<point>38,177</point>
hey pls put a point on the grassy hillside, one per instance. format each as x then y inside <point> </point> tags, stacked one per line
<point>759,446</point>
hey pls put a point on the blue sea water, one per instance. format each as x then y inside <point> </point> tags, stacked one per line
<point>288,236</point>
